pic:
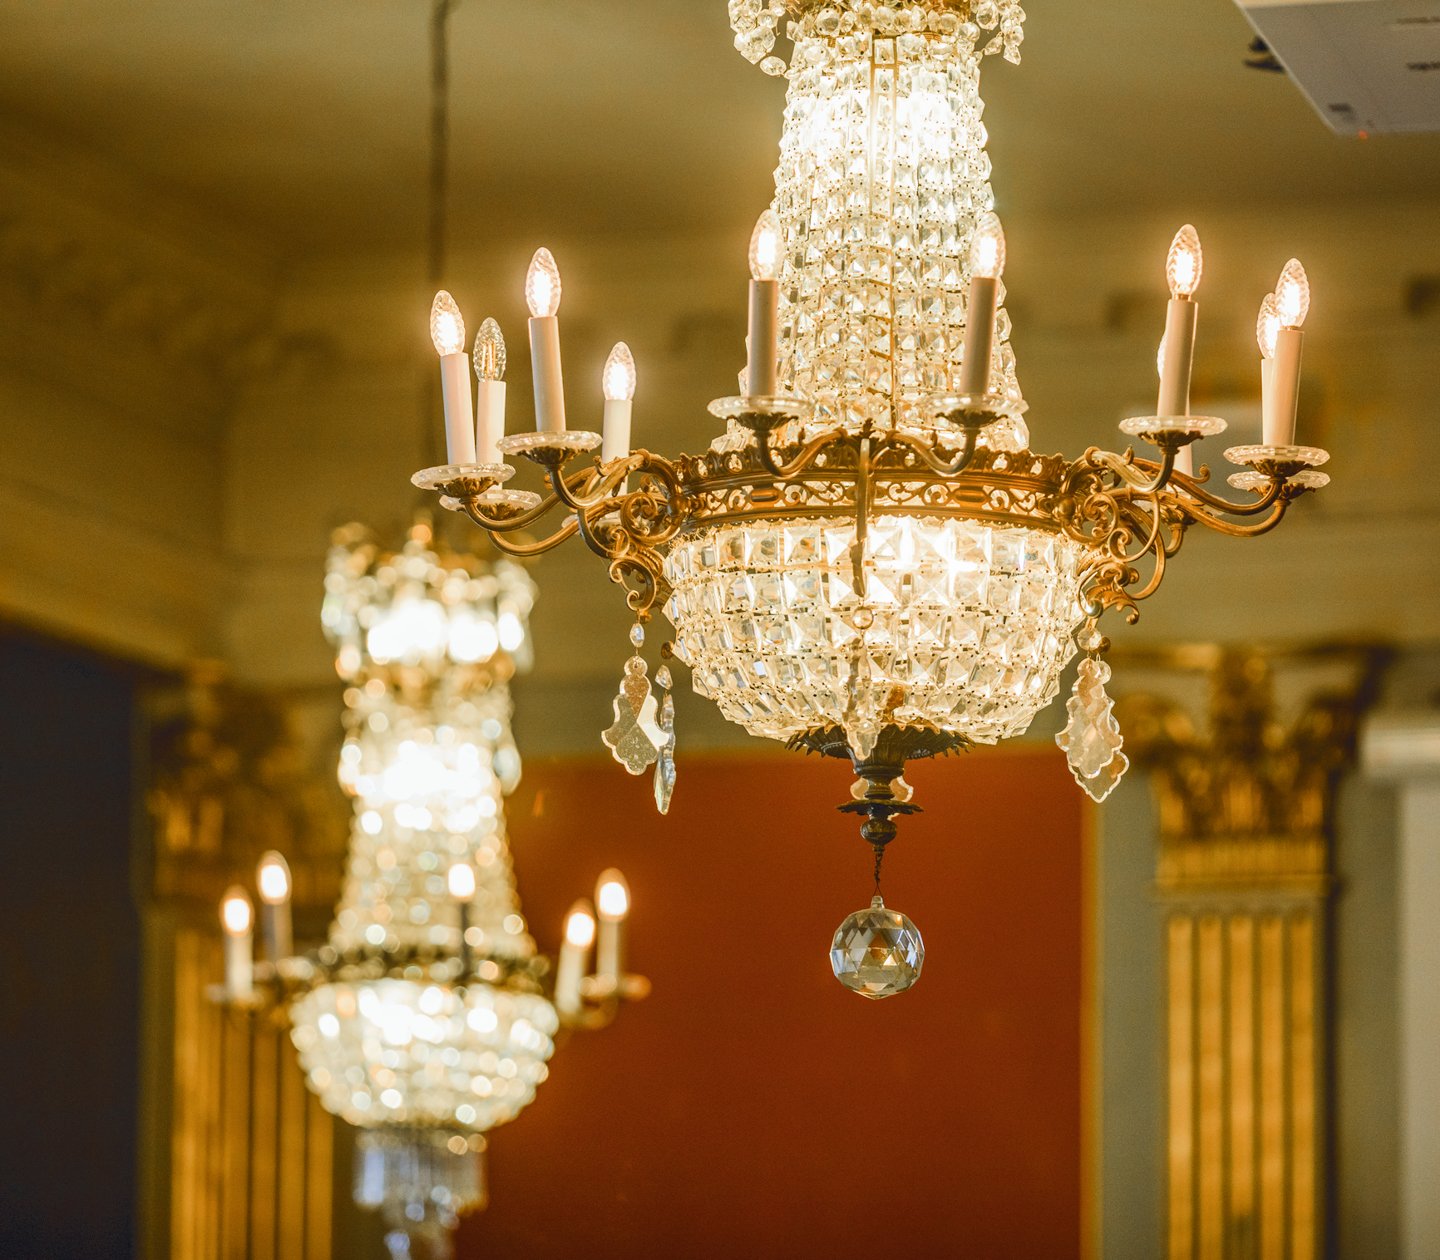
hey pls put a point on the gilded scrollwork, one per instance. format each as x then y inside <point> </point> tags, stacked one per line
<point>1130,514</point>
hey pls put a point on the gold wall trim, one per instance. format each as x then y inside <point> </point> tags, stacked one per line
<point>1246,803</point>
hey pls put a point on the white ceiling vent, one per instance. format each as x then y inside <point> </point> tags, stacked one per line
<point>1368,66</point>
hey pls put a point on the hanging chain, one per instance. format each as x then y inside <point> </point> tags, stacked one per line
<point>437,190</point>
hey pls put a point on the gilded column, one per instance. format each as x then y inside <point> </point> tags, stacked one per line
<point>1245,812</point>
<point>237,1152</point>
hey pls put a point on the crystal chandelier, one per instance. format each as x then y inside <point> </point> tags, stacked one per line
<point>427,1019</point>
<point>871,562</point>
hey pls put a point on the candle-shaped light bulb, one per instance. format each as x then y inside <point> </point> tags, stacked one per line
<point>542,295</point>
<point>1185,263</point>
<point>542,285</point>
<point>762,342</point>
<point>237,918</point>
<point>987,247</point>
<point>272,879</point>
<point>1183,267</point>
<point>987,261</point>
<point>612,897</point>
<point>447,331</point>
<point>236,913</point>
<point>618,380</point>
<point>1267,327</point>
<point>460,880</point>
<point>489,353</point>
<point>488,358</point>
<point>447,325</point>
<point>574,954</point>
<point>1292,304</point>
<point>612,904</point>
<point>765,247</point>
<point>1292,295</point>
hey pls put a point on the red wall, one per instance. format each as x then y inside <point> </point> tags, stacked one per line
<point>752,1107</point>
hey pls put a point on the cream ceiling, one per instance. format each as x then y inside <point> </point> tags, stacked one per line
<point>301,123</point>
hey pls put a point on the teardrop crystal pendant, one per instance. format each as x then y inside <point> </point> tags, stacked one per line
<point>876,952</point>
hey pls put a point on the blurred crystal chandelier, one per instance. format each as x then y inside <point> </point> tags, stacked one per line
<point>427,1019</point>
<point>871,562</point>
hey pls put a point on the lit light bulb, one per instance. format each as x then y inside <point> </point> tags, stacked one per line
<point>1267,327</point>
<point>1292,295</point>
<point>1185,263</point>
<point>765,247</point>
<point>272,877</point>
<point>542,285</point>
<point>618,379</point>
<point>236,912</point>
<point>580,926</point>
<point>460,879</point>
<point>987,247</point>
<point>447,325</point>
<point>612,896</point>
<point>489,352</point>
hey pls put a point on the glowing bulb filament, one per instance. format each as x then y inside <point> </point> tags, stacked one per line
<point>618,379</point>
<point>765,247</point>
<point>489,352</point>
<point>236,913</point>
<point>612,897</point>
<point>447,325</point>
<point>460,879</point>
<point>273,879</point>
<point>1267,327</point>
<point>580,928</point>
<point>987,247</point>
<point>1185,263</point>
<point>542,285</point>
<point>1292,295</point>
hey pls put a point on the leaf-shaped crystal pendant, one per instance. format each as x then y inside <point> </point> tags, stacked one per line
<point>876,952</point>
<point>1091,739</point>
<point>635,736</point>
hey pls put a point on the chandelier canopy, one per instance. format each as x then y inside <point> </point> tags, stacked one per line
<point>871,561</point>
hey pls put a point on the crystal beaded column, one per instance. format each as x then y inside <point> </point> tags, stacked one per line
<point>883,174</point>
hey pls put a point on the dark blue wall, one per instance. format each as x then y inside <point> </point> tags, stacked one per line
<point>69,955</point>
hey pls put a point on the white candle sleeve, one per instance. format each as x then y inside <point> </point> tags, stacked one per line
<point>279,940</point>
<point>239,964</point>
<point>1180,318</point>
<point>608,949</point>
<point>1185,460</point>
<point>459,409</point>
<point>489,421</point>
<point>1286,387</point>
<point>762,345</point>
<point>1268,427</point>
<point>549,379</point>
<point>568,974</point>
<point>616,429</point>
<point>979,335</point>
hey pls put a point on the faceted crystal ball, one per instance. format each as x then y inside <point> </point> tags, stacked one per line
<point>877,953</point>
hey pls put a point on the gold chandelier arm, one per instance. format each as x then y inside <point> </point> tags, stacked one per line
<point>591,487</point>
<point>951,468</point>
<point>803,460</point>
<point>1194,490</point>
<point>1277,503</point>
<point>1135,473</point>
<point>497,529</point>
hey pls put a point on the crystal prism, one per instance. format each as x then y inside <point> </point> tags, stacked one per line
<point>635,736</point>
<point>1091,738</point>
<point>876,952</point>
